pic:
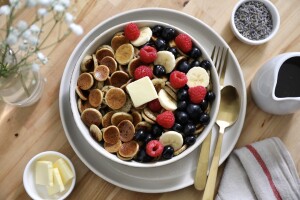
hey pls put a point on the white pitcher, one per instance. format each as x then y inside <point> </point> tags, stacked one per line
<point>264,83</point>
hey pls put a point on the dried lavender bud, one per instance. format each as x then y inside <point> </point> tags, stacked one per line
<point>253,20</point>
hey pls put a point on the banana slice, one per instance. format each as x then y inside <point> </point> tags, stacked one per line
<point>166,59</point>
<point>166,101</point>
<point>197,76</point>
<point>145,36</point>
<point>172,138</point>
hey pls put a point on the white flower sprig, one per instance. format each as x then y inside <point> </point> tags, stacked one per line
<point>27,39</point>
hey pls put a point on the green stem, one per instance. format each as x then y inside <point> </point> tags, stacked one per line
<point>24,85</point>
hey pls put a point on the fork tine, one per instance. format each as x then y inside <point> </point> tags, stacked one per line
<point>213,54</point>
<point>224,64</point>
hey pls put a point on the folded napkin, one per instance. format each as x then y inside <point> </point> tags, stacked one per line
<point>263,170</point>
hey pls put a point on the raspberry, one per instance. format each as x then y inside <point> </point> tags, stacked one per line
<point>131,31</point>
<point>154,148</point>
<point>166,119</point>
<point>184,42</point>
<point>154,105</point>
<point>143,71</point>
<point>178,79</point>
<point>197,94</point>
<point>148,54</point>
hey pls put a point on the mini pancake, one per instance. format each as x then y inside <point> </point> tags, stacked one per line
<point>111,135</point>
<point>101,72</point>
<point>87,64</point>
<point>118,40</point>
<point>119,78</point>
<point>115,98</point>
<point>91,116</point>
<point>82,105</point>
<point>112,148</point>
<point>96,133</point>
<point>123,87</point>
<point>106,88</point>
<point>199,129</point>
<point>85,81</point>
<point>158,84</point>
<point>101,53</point>
<point>172,43</point>
<point>98,84</point>
<point>171,92</point>
<point>123,158</point>
<point>123,68</point>
<point>129,149</point>
<point>127,107</point>
<point>151,115</point>
<point>95,97</point>
<point>124,54</point>
<point>171,87</point>
<point>127,130</point>
<point>147,119</point>
<point>143,126</point>
<point>106,119</point>
<point>133,64</point>
<point>136,117</point>
<point>120,116</point>
<point>95,61</point>
<point>83,94</point>
<point>179,151</point>
<point>110,63</point>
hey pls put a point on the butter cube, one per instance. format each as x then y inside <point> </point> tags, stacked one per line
<point>141,91</point>
<point>44,173</point>
<point>64,170</point>
<point>58,185</point>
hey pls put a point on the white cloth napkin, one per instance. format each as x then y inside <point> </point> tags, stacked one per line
<point>263,170</point>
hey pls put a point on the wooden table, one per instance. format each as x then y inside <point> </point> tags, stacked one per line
<point>27,131</point>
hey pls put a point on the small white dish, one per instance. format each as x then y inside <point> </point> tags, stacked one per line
<point>39,192</point>
<point>275,18</point>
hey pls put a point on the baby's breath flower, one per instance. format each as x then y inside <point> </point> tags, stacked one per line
<point>59,8</point>
<point>27,34</point>
<point>11,39</point>
<point>35,29</point>
<point>75,28</point>
<point>65,3</point>
<point>35,67</point>
<point>23,46</point>
<point>4,10</point>
<point>42,12</point>
<point>68,18</point>
<point>31,3</point>
<point>42,57</point>
<point>33,40</point>
<point>22,25</point>
<point>44,2</point>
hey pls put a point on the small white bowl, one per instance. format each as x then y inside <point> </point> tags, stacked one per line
<point>39,192</point>
<point>275,18</point>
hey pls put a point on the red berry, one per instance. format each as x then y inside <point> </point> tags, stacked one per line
<point>154,105</point>
<point>166,119</point>
<point>131,31</point>
<point>197,94</point>
<point>148,54</point>
<point>184,42</point>
<point>178,79</point>
<point>154,148</point>
<point>143,71</point>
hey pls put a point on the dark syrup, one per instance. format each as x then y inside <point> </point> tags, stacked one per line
<point>288,82</point>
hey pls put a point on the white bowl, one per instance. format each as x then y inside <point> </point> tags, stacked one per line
<point>104,38</point>
<point>39,192</point>
<point>275,18</point>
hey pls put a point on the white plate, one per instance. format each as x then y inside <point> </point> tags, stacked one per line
<point>165,178</point>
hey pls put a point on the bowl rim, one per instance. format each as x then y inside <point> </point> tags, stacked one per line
<point>84,130</point>
<point>275,19</point>
<point>29,191</point>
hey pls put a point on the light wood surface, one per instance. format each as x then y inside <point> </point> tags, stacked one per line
<point>24,132</point>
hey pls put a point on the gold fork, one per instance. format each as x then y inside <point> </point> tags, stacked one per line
<point>220,59</point>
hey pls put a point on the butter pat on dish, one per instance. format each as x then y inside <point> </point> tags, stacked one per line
<point>58,185</point>
<point>141,91</point>
<point>64,170</point>
<point>44,173</point>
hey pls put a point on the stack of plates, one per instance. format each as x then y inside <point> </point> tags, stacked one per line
<point>159,179</point>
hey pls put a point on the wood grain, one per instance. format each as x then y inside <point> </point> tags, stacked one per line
<point>24,132</point>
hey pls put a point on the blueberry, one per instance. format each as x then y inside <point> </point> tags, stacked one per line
<point>160,44</point>
<point>173,50</point>
<point>140,135</point>
<point>148,137</point>
<point>150,43</point>
<point>190,140</point>
<point>181,117</point>
<point>204,119</point>
<point>177,127</point>
<point>194,111</point>
<point>204,104</point>
<point>168,152</point>
<point>159,70</point>
<point>195,53</point>
<point>210,96</point>
<point>205,64</point>
<point>156,131</point>
<point>157,30</point>
<point>189,129</point>
<point>168,34</point>
<point>195,63</point>
<point>142,156</point>
<point>182,94</point>
<point>183,66</point>
<point>181,105</point>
